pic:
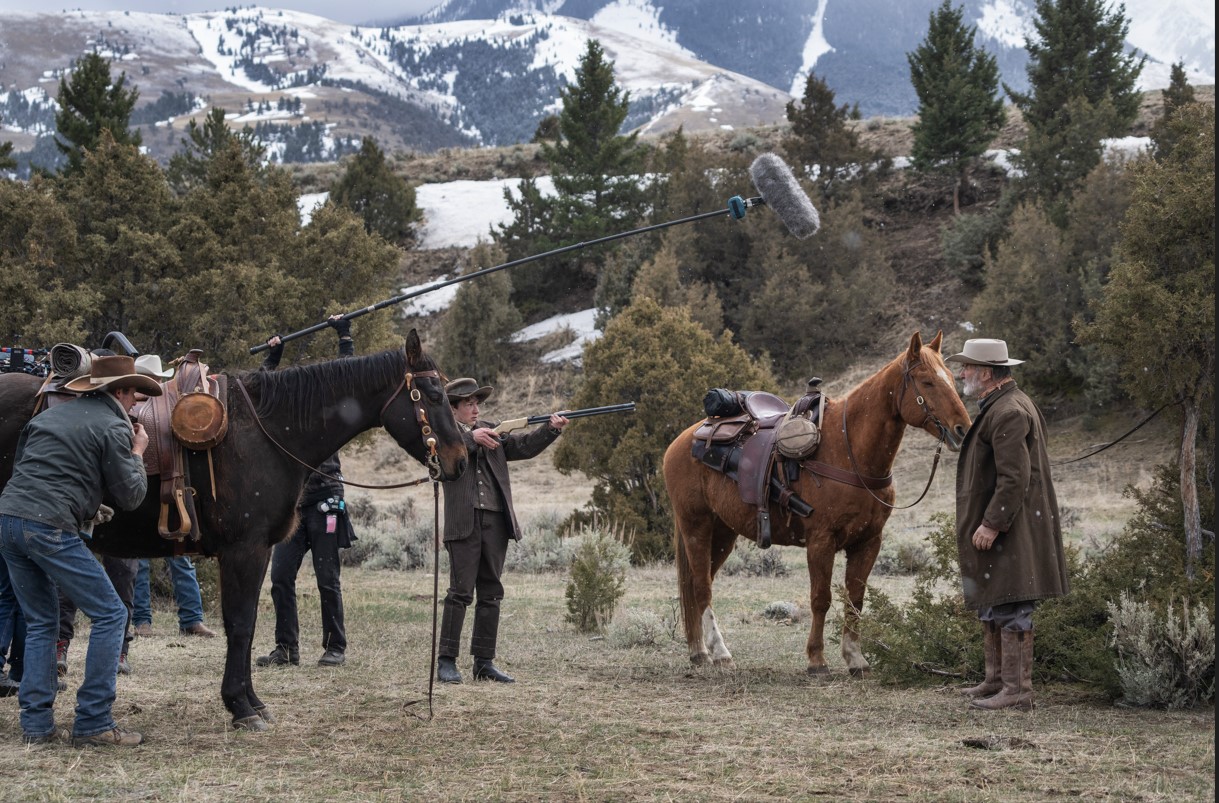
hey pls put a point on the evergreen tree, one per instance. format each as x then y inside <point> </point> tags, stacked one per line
<point>7,162</point>
<point>384,200</point>
<point>595,173</point>
<point>43,303</point>
<point>476,327</point>
<point>959,109</point>
<point>1156,316</point>
<point>665,362</point>
<point>820,136</point>
<point>188,167</point>
<point>1083,88</point>
<point>89,103</point>
<point>122,207</point>
<point>1178,94</point>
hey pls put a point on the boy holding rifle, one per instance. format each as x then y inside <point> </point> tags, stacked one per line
<point>478,523</point>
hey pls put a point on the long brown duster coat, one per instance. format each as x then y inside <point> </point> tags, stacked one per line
<point>1003,480</point>
<point>461,494</point>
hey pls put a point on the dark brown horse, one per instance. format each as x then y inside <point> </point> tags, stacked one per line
<point>860,437</point>
<point>311,411</point>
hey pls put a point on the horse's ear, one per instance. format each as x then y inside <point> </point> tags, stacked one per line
<point>934,345</point>
<point>414,348</point>
<point>916,346</point>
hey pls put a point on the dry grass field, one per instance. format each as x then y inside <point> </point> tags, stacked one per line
<point>589,720</point>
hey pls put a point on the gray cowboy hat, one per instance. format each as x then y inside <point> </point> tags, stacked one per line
<point>466,387</point>
<point>114,373</point>
<point>150,365</point>
<point>984,351</point>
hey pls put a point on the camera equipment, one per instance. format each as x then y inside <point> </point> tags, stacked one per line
<point>15,359</point>
<point>333,503</point>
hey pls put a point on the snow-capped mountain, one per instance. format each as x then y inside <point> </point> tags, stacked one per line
<point>283,72</point>
<point>859,47</point>
<point>475,72</point>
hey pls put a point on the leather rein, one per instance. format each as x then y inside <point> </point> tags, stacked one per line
<point>868,483</point>
<point>425,429</point>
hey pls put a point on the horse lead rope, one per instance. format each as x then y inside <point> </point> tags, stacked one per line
<point>431,676</point>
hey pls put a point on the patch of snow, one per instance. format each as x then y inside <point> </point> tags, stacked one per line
<point>430,303</point>
<point>815,47</point>
<point>458,214</point>
<point>308,203</point>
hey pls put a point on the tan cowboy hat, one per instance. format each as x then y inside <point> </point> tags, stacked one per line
<point>464,388</point>
<point>984,351</point>
<point>114,373</point>
<point>150,365</point>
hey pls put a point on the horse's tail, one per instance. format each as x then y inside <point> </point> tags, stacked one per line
<point>691,619</point>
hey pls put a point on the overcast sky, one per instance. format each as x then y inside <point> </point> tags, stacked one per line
<point>360,11</point>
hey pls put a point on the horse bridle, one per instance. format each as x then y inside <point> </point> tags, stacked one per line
<point>907,380</point>
<point>425,429</point>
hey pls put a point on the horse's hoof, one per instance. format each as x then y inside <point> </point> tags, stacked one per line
<point>700,659</point>
<point>254,723</point>
<point>818,671</point>
<point>265,715</point>
<point>861,672</point>
<point>724,663</point>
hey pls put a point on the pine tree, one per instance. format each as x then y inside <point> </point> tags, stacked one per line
<point>1178,94</point>
<point>957,86</point>
<point>819,134</point>
<point>1156,316</point>
<point>476,326</point>
<point>595,173</point>
<point>382,199</point>
<point>1083,88</point>
<point>122,208</point>
<point>89,102</point>
<point>188,167</point>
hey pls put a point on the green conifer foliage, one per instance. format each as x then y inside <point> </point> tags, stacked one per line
<point>595,170</point>
<point>89,103</point>
<point>959,108</point>
<point>382,199</point>
<point>188,167</point>
<point>665,363</point>
<point>122,207</point>
<point>1083,89</point>
<point>38,255</point>
<point>819,134</point>
<point>1178,94</point>
<point>476,326</point>
<point>1156,316</point>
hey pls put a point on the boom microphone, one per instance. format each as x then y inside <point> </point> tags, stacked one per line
<point>781,192</point>
<point>772,177</point>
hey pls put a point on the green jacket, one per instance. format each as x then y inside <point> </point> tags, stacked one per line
<point>68,458</point>
<point>1003,479</point>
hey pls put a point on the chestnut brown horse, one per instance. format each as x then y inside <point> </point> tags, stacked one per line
<point>311,411</point>
<point>860,437</point>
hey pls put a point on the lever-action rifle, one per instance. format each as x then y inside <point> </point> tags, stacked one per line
<point>521,423</point>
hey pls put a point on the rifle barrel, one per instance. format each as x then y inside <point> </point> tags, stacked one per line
<point>625,407</point>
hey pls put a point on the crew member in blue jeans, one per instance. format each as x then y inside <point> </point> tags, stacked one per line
<point>186,594</point>
<point>66,460</point>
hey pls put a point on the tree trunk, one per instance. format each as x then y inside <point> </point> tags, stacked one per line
<point>1189,487</point>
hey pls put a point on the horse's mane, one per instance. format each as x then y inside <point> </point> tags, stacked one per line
<point>305,388</point>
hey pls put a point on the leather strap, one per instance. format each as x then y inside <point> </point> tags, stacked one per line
<point>846,477</point>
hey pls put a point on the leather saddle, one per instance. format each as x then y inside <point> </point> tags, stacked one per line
<point>742,446</point>
<point>166,454</point>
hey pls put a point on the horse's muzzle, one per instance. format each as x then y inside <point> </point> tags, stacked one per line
<point>953,437</point>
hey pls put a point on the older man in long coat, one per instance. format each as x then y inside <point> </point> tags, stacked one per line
<point>1009,538</point>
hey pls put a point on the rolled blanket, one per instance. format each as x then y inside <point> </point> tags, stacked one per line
<point>69,361</point>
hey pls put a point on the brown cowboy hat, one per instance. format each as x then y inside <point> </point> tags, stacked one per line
<point>984,351</point>
<point>114,373</point>
<point>466,387</point>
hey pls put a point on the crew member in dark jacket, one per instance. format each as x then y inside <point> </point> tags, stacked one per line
<point>66,460</point>
<point>478,523</point>
<point>323,530</point>
<point>1009,538</point>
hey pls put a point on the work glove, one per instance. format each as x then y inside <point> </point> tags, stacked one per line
<point>104,514</point>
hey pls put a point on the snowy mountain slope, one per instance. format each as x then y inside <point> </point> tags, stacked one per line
<point>859,46</point>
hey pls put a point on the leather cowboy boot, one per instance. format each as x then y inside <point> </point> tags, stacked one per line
<point>485,669</point>
<point>1017,674</point>
<point>446,670</point>
<point>992,649</point>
